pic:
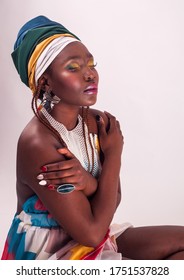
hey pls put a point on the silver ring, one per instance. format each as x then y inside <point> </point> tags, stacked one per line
<point>65,188</point>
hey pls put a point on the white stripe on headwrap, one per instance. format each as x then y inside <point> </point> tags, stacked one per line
<point>50,53</point>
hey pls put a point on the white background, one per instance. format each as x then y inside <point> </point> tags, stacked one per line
<point>139,47</point>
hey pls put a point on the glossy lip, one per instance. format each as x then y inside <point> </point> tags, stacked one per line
<point>92,89</point>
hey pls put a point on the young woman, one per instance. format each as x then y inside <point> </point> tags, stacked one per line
<point>65,208</point>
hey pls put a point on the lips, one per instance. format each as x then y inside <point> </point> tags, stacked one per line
<point>92,89</point>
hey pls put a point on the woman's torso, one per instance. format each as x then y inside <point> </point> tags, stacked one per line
<point>36,132</point>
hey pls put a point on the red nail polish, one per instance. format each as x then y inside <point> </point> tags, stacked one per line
<point>51,187</point>
<point>44,168</point>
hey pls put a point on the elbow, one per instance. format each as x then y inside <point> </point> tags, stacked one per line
<point>92,242</point>
<point>93,239</point>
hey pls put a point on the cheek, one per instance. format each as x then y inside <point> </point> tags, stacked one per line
<point>71,81</point>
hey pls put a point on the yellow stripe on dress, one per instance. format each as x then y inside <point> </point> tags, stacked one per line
<point>97,144</point>
<point>80,251</point>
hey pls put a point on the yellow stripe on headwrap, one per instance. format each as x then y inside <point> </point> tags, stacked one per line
<point>36,54</point>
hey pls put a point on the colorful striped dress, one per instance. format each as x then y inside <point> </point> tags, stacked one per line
<point>35,235</point>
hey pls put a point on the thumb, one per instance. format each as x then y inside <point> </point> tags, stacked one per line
<point>101,125</point>
<point>66,152</point>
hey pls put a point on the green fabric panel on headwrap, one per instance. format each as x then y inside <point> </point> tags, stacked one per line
<point>22,54</point>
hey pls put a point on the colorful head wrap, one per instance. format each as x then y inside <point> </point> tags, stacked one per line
<point>38,42</point>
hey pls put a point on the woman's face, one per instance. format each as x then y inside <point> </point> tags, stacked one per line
<point>72,76</point>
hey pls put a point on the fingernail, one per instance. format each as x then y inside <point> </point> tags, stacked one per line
<point>51,187</point>
<point>61,150</point>
<point>40,177</point>
<point>65,188</point>
<point>98,118</point>
<point>42,183</point>
<point>44,168</point>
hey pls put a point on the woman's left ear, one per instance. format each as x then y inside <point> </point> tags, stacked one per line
<point>44,84</point>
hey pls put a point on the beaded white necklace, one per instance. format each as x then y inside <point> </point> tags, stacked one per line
<point>74,139</point>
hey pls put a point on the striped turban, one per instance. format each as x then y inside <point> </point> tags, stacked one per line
<point>38,42</point>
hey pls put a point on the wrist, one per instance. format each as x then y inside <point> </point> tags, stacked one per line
<point>112,155</point>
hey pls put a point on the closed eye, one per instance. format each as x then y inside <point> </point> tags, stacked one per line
<point>92,65</point>
<point>73,67</point>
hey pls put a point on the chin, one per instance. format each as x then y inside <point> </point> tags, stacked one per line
<point>91,102</point>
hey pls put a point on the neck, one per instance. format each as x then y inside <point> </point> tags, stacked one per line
<point>68,116</point>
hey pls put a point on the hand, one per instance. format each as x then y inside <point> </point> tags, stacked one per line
<point>111,138</point>
<point>67,171</point>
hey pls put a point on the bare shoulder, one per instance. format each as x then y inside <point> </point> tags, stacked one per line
<point>37,146</point>
<point>35,134</point>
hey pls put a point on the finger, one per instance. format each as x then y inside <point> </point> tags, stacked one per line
<point>113,122</point>
<point>101,125</point>
<point>61,165</point>
<point>52,183</point>
<point>54,187</point>
<point>118,126</point>
<point>57,174</point>
<point>111,118</point>
<point>68,180</point>
<point>109,115</point>
<point>66,152</point>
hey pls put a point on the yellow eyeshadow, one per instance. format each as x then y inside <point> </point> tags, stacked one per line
<point>76,66</point>
<point>73,65</point>
<point>91,63</point>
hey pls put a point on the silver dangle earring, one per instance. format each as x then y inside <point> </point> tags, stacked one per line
<point>49,100</point>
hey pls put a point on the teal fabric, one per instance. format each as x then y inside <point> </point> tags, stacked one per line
<point>39,21</point>
<point>29,36</point>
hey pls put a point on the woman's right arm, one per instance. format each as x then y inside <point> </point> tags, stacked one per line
<point>87,221</point>
<point>104,203</point>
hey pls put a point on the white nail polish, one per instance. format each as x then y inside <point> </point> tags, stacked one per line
<point>43,183</point>
<point>40,177</point>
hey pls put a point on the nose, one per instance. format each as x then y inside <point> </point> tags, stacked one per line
<point>89,75</point>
